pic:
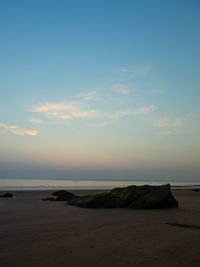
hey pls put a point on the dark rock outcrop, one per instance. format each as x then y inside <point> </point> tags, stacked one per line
<point>7,195</point>
<point>63,195</point>
<point>196,190</point>
<point>60,195</point>
<point>135,197</point>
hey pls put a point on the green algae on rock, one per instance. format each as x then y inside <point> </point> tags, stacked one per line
<point>135,197</point>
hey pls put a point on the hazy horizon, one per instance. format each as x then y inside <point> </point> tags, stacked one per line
<point>100,90</point>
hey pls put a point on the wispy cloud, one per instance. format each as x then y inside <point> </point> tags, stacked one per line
<point>167,122</point>
<point>127,112</point>
<point>121,88</point>
<point>16,130</point>
<point>35,121</point>
<point>64,111</point>
<point>80,108</point>
<point>162,122</point>
<point>70,110</point>
<point>88,96</point>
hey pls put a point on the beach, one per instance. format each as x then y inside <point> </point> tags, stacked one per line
<point>48,233</point>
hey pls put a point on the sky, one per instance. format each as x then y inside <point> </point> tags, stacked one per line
<point>100,89</point>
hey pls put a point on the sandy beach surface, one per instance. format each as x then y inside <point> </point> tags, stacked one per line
<point>42,233</point>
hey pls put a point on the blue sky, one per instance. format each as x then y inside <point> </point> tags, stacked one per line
<point>100,89</point>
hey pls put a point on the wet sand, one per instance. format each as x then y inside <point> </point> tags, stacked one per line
<point>41,233</point>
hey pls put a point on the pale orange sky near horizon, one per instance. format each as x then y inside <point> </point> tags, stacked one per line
<point>100,89</point>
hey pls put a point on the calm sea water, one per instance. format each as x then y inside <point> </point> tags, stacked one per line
<point>8,184</point>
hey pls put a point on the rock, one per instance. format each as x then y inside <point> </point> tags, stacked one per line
<point>135,197</point>
<point>102,200</point>
<point>7,195</point>
<point>63,195</point>
<point>196,190</point>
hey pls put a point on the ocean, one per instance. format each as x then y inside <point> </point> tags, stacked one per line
<point>56,184</point>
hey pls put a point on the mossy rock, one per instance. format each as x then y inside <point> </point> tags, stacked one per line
<point>7,195</point>
<point>135,197</point>
<point>103,200</point>
<point>60,195</point>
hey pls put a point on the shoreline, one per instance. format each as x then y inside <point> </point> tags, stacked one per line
<point>68,188</point>
<point>38,184</point>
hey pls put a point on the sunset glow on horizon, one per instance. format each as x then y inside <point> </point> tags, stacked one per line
<point>100,90</point>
